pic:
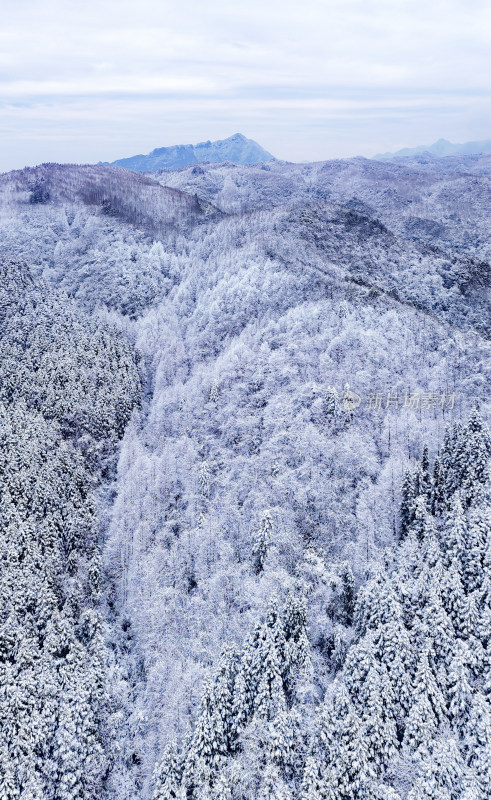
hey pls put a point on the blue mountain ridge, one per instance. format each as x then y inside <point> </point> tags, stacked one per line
<point>439,149</point>
<point>237,149</point>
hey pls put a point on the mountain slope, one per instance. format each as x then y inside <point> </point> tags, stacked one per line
<point>410,706</point>
<point>236,149</point>
<point>450,198</point>
<point>133,198</point>
<point>300,348</point>
<point>91,231</point>
<point>68,384</point>
<point>430,213</point>
<point>248,438</point>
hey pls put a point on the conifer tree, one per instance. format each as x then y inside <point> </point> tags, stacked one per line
<point>408,495</point>
<point>472,572</point>
<point>261,541</point>
<point>424,479</point>
<point>168,778</point>
<point>348,773</point>
<point>437,489</point>
<point>477,451</point>
<point>422,524</point>
<point>223,789</point>
<point>453,594</point>
<point>459,689</point>
<point>270,697</point>
<point>478,740</point>
<point>208,749</point>
<point>437,625</point>
<point>428,706</point>
<point>394,651</point>
<point>385,792</point>
<point>347,593</point>
<point>313,784</point>
<point>455,532</point>
<point>241,706</point>
<point>440,774</point>
<point>273,787</point>
<point>380,731</point>
<point>453,460</point>
<point>283,742</point>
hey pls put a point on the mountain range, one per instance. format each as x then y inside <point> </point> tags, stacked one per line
<point>439,149</point>
<point>237,149</point>
<point>244,485</point>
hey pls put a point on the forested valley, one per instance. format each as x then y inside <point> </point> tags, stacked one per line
<point>245,482</point>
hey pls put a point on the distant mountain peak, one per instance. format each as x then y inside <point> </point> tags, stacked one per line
<point>237,149</point>
<point>439,149</point>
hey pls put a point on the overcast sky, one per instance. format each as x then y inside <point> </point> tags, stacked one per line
<point>100,80</point>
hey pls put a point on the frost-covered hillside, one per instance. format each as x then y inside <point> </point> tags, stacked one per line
<point>305,334</point>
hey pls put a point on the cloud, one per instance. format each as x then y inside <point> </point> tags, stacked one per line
<point>196,71</point>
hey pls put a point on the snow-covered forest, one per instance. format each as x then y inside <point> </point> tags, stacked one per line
<point>245,487</point>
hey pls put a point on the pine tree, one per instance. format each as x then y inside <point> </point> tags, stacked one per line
<point>447,765</point>
<point>422,524</point>
<point>437,490</point>
<point>261,541</point>
<point>9,785</point>
<point>205,479</point>
<point>385,792</point>
<point>478,732</point>
<point>380,731</point>
<point>440,774</point>
<point>477,452</point>
<point>348,773</point>
<point>424,480</point>
<point>432,552</point>
<point>437,625</point>
<point>282,746</point>
<point>297,646</point>
<point>468,620</point>
<point>347,594</point>
<point>222,789</point>
<point>453,594</point>
<point>477,560</point>
<point>459,689</point>
<point>208,747</point>
<point>273,787</point>
<point>240,705</point>
<point>214,393</point>
<point>472,571</point>
<point>359,661</point>
<point>475,424</point>
<point>455,532</point>
<point>169,775</point>
<point>428,707</point>
<point>472,788</point>
<point>453,460</point>
<point>393,649</point>
<point>250,666</point>
<point>270,697</point>
<point>313,784</point>
<point>376,604</point>
<point>478,740</point>
<point>223,691</point>
<point>408,495</point>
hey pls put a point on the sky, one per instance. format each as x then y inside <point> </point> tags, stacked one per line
<point>87,81</point>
